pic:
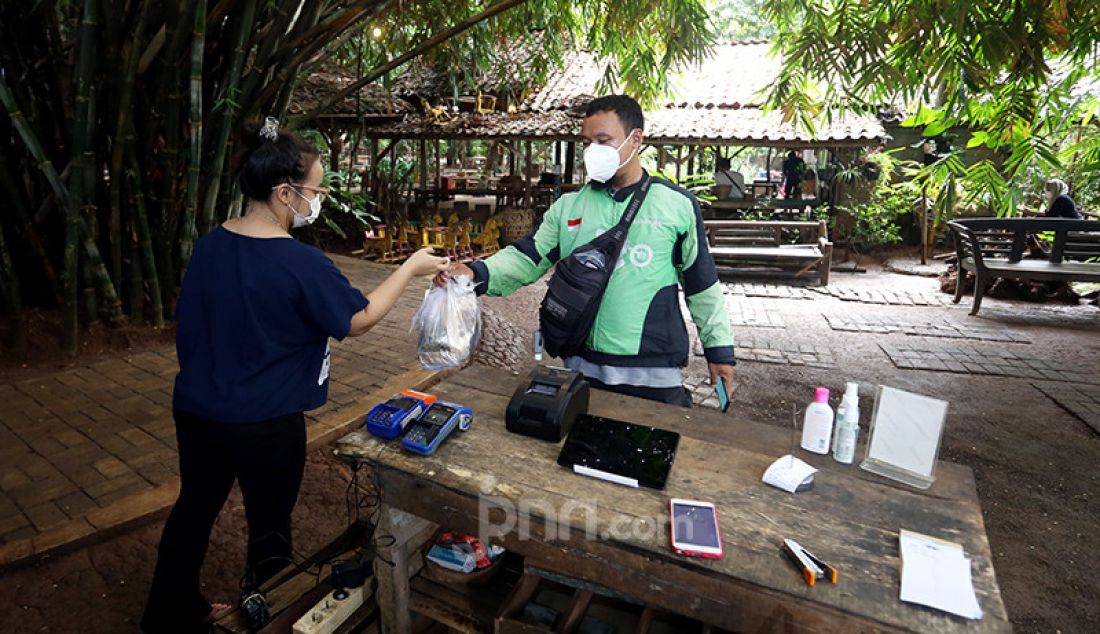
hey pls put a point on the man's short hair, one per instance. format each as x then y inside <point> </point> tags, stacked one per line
<point>722,163</point>
<point>624,107</point>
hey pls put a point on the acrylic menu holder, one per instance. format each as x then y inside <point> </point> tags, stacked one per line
<point>904,440</point>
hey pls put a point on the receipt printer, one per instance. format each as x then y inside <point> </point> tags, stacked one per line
<point>546,405</point>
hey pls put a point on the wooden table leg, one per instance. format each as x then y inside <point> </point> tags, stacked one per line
<point>391,567</point>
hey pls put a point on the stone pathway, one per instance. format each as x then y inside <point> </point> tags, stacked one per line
<point>932,328</point>
<point>970,360</point>
<point>881,296</point>
<point>754,312</point>
<point>88,448</point>
<point>1083,401</point>
<point>772,291</point>
<point>785,353</point>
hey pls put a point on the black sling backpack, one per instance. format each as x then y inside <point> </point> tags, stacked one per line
<point>577,286</point>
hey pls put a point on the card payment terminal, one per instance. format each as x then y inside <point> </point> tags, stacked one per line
<point>427,434</point>
<point>387,420</point>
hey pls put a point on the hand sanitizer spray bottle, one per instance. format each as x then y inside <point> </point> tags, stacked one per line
<point>817,426</point>
<point>847,426</point>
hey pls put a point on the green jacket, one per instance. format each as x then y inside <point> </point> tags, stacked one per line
<point>639,323</point>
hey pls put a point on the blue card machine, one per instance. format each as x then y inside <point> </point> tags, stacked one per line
<point>427,434</point>
<point>387,420</point>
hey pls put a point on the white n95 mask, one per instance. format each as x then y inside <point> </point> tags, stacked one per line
<point>602,161</point>
<point>314,211</point>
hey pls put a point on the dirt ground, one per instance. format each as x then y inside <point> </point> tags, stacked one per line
<point>1035,464</point>
<point>102,588</point>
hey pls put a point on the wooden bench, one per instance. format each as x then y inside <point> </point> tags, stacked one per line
<point>800,246</point>
<point>994,247</point>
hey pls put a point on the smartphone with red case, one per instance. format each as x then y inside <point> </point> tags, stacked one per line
<point>694,528</point>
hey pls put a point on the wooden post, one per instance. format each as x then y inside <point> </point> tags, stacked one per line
<point>691,160</point>
<point>570,160</point>
<point>391,568</point>
<point>369,177</point>
<point>679,160</point>
<point>422,160</point>
<point>438,163</point>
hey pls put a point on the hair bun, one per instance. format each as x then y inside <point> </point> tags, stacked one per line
<point>250,135</point>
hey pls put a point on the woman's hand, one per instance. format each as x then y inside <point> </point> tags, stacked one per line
<point>423,263</point>
<point>456,269</point>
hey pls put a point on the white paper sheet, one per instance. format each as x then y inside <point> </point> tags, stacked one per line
<point>936,573</point>
<point>907,430</point>
<point>787,473</point>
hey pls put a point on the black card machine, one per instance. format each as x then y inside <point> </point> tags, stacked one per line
<point>547,404</point>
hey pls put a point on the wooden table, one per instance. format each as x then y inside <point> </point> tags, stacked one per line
<point>850,519</point>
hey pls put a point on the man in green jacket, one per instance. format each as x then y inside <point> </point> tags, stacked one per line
<point>639,341</point>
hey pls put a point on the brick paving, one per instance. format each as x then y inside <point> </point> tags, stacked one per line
<point>889,297</point>
<point>76,444</point>
<point>782,352</point>
<point>771,291</point>
<point>1083,401</point>
<point>754,312</point>
<point>932,328</point>
<point>964,359</point>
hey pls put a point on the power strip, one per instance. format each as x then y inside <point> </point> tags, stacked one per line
<point>329,613</point>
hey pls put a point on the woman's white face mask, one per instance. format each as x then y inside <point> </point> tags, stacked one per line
<point>314,210</point>
<point>602,161</point>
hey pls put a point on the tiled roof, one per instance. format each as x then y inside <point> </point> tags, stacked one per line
<point>320,85</point>
<point>670,125</point>
<point>507,73</point>
<point>496,125</point>
<point>732,77</point>
<point>569,87</point>
<point>716,102</point>
<point>751,126</point>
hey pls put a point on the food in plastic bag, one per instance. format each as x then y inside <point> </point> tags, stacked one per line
<point>449,321</point>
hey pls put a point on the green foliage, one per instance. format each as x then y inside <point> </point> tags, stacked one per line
<point>642,41</point>
<point>1020,75</point>
<point>698,184</point>
<point>738,20</point>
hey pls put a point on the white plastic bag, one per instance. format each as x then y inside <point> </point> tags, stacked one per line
<point>449,321</point>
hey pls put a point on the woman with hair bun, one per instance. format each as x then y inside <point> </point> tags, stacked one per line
<point>253,321</point>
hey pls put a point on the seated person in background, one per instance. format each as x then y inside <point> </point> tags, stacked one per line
<point>723,176</point>
<point>1059,204</point>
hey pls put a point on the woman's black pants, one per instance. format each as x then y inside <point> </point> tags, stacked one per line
<point>267,458</point>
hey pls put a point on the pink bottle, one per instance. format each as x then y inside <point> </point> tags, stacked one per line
<point>817,425</point>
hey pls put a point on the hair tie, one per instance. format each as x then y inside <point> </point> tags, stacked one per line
<point>270,131</point>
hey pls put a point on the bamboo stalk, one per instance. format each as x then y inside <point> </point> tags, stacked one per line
<point>225,124</point>
<point>125,116</point>
<point>75,197</point>
<point>166,188</point>
<point>194,170</point>
<point>13,304</point>
<point>144,239</point>
<point>137,286</point>
<point>278,25</point>
<point>277,91</point>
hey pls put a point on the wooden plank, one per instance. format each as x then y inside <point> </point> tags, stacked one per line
<point>749,224</point>
<point>809,253</point>
<point>851,518</point>
<point>577,607</point>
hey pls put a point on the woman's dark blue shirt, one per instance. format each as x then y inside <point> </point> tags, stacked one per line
<point>252,327</point>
